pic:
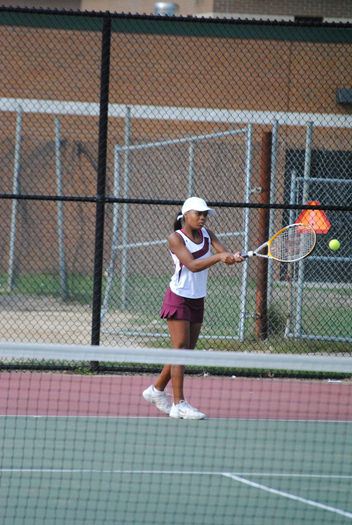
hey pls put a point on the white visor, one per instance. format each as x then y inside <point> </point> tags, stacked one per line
<point>194,203</point>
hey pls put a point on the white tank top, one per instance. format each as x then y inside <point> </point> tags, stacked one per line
<point>184,282</point>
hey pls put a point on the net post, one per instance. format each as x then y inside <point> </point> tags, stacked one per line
<point>101,184</point>
<point>261,327</point>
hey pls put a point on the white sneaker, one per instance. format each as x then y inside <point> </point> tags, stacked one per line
<point>185,411</point>
<point>152,395</point>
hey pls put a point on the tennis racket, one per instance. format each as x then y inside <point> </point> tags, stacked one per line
<point>293,243</point>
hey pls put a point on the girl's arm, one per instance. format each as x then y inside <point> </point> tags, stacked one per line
<point>197,265</point>
<point>220,248</point>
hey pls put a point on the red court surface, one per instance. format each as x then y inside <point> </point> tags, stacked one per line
<point>35,394</point>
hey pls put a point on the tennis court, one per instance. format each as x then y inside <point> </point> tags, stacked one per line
<point>90,449</point>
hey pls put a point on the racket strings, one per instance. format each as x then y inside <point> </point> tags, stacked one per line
<point>293,244</point>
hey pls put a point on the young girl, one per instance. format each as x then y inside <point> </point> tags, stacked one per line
<point>183,305</point>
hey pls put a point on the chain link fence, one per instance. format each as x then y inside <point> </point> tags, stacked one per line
<point>109,122</point>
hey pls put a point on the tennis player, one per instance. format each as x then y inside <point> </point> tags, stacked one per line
<point>183,305</point>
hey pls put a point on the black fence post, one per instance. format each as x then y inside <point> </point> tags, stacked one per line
<point>101,184</point>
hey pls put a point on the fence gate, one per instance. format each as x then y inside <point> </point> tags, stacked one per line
<point>322,282</point>
<point>183,166</point>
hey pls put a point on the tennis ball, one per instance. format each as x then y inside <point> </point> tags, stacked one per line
<point>334,244</point>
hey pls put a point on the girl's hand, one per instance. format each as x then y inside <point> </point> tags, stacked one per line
<point>229,258</point>
<point>238,257</point>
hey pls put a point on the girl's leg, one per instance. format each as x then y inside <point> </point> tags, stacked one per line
<point>180,336</point>
<point>194,335</point>
<point>183,335</point>
<point>164,378</point>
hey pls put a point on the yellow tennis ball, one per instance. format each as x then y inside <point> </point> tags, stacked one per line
<point>334,244</point>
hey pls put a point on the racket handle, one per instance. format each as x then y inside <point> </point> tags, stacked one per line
<point>246,255</point>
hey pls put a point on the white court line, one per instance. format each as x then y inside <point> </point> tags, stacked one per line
<point>287,495</point>
<point>237,477</point>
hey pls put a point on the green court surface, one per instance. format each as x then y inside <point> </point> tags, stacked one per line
<point>97,470</point>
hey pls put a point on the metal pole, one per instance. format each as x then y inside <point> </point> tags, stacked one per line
<point>305,195</point>
<point>126,210</point>
<point>60,211</point>
<point>307,161</point>
<point>246,219</point>
<point>191,169</point>
<point>261,328</point>
<point>272,200</point>
<point>194,138</point>
<point>289,275</point>
<point>292,195</point>
<point>101,182</point>
<point>15,191</point>
<point>115,231</point>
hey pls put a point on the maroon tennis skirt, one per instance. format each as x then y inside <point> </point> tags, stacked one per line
<point>182,308</point>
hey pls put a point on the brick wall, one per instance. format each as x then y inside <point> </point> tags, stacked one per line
<point>176,71</point>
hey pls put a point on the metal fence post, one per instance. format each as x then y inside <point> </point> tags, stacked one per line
<point>246,220</point>
<point>274,154</point>
<point>126,210</point>
<point>261,327</point>
<point>300,278</point>
<point>101,182</point>
<point>15,190</point>
<point>60,211</point>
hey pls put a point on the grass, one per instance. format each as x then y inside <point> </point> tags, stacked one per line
<point>79,288</point>
<point>339,325</point>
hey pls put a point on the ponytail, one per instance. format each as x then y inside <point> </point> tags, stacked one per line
<point>178,222</point>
